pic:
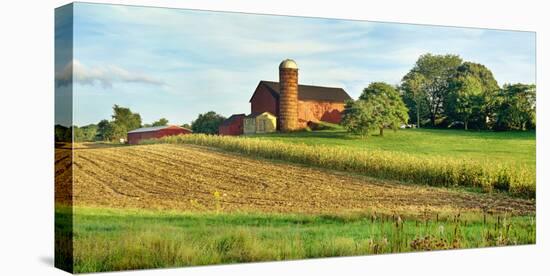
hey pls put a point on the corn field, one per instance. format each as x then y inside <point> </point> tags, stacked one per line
<point>434,171</point>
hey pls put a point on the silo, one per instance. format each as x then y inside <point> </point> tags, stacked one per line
<point>288,99</point>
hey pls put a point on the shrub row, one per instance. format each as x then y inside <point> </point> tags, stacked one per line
<point>434,171</point>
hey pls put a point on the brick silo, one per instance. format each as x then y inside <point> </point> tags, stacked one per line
<point>288,98</point>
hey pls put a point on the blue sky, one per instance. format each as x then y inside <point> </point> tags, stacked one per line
<point>177,63</point>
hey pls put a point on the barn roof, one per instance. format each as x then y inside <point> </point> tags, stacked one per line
<point>150,129</point>
<point>231,118</point>
<point>311,92</point>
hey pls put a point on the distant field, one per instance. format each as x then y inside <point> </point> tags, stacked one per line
<point>484,146</point>
<point>122,239</point>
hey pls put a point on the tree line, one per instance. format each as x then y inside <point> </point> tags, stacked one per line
<point>443,91</point>
<point>124,120</point>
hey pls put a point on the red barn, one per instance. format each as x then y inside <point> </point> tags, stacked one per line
<point>232,125</point>
<point>315,103</point>
<point>136,135</point>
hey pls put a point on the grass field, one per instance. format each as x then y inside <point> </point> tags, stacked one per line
<point>122,239</point>
<point>484,146</point>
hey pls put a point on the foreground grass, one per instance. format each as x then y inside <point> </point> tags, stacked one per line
<point>435,170</point>
<point>122,239</point>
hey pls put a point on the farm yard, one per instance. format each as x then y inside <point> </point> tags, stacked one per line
<point>170,195</point>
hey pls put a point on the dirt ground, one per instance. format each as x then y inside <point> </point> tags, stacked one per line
<point>184,177</point>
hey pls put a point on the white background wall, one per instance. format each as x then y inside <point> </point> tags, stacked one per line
<point>26,120</point>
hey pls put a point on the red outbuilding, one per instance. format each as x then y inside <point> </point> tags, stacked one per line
<point>232,125</point>
<point>136,135</point>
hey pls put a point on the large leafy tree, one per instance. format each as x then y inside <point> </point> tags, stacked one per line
<point>388,104</point>
<point>435,72</point>
<point>124,120</point>
<point>516,107</point>
<point>105,131</point>
<point>379,106</point>
<point>361,117</point>
<point>472,94</point>
<point>466,100</point>
<point>207,123</point>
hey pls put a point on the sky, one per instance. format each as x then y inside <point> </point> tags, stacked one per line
<point>176,63</point>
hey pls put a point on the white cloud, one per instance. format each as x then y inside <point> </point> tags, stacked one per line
<point>105,75</point>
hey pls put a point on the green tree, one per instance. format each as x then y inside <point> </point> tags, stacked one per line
<point>361,117</point>
<point>388,106</point>
<point>414,96</point>
<point>85,134</point>
<point>160,122</point>
<point>466,100</point>
<point>516,107</point>
<point>119,131</point>
<point>105,131</point>
<point>476,87</point>
<point>124,120</point>
<point>186,125</point>
<point>207,123</point>
<point>436,71</point>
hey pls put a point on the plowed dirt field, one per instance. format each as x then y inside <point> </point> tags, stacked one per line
<point>184,177</point>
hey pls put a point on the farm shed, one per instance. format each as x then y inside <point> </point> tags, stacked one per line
<point>139,134</point>
<point>264,122</point>
<point>232,125</point>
